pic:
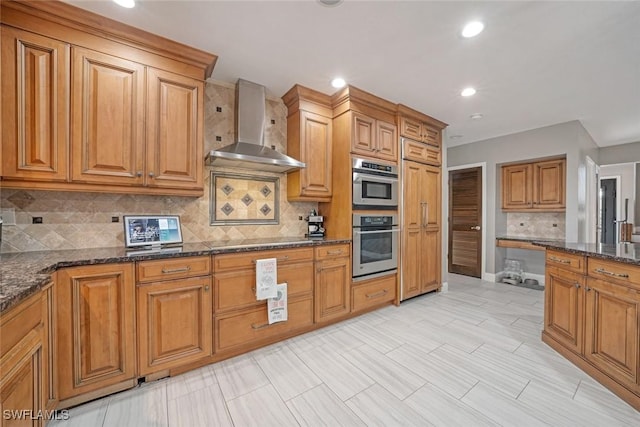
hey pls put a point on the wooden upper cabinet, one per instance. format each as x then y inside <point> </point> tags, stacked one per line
<point>108,119</point>
<point>35,106</point>
<point>310,140</point>
<point>175,149</point>
<point>374,138</point>
<point>420,127</point>
<point>537,186</point>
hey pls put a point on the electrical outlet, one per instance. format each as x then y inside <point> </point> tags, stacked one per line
<point>115,219</point>
<point>36,220</point>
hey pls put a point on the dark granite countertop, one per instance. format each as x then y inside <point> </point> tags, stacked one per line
<point>24,273</point>
<point>528,239</point>
<point>623,252</point>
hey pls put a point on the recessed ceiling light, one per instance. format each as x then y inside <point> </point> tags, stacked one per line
<point>330,3</point>
<point>472,29</point>
<point>338,82</point>
<point>476,116</point>
<point>468,91</point>
<point>126,3</point>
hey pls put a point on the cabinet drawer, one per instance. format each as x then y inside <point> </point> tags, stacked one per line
<point>251,326</point>
<point>422,153</point>
<point>248,259</point>
<point>374,292</point>
<point>617,271</point>
<point>19,321</point>
<point>335,251</point>
<point>566,261</point>
<point>173,268</point>
<point>237,289</point>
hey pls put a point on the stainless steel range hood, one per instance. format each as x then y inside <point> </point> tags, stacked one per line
<point>249,152</point>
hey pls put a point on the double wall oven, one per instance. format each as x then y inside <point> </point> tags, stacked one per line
<point>375,232</point>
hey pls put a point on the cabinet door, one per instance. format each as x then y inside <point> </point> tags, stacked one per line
<point>564,307</point>
<point>411,261</point>
<point>95,328</point>
<point>174,323</point>
<point>412,207</point>
<point>35,106</point>
<point>431,136</point>
<point>516,187</point>
<point>410,128</point>
<point>316,152</point>
<point>386,141</point>
<point>174,140</point>
<point>549,184</point>
<point>21,384</point>
<point>332,289</point>
<point>612,332</point>
<point>430,261</point>
<point>107,115</point>
<point>430,189</point>
<point>364,134</point>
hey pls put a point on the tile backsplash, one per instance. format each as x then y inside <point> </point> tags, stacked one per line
<point>73,220</point>
<point>548,225</point>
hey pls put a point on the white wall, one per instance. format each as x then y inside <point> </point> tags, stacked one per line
<point>565,139</point>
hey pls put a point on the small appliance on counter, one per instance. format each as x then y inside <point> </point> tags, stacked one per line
<point>316,225</point>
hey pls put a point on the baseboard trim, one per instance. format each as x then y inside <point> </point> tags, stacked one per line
<point>489,277</point>
<point>445,287</point>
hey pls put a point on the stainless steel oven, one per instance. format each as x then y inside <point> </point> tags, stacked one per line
<point>375,185</point>
<point>375,244</point>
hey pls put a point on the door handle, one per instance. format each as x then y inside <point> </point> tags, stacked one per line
<point>475,227</point>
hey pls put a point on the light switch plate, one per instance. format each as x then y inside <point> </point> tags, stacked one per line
<point>8,216</point>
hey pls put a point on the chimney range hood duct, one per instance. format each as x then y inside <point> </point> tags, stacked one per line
<point>249,152</point>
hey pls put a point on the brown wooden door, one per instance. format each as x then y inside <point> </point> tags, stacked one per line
<point>332,289</point>
<point>431,136</point>
<point>516,187</point>
<point>549,184</point>
<point>316,152</point>
<point>411,128</point>
<point>411,261</point>
<point>35,106</point>
<point>564,307</point>
<point>612,330</point>
<point>174,123</point>
<point>430,190</point>
<point>364,135</point>
<point>386,141</point>
<point>411,203</point>
<point>465,220</point>
<point>174,323</point>
<point>107,119</point>
<point>430,261</point>
<point>95,327</point>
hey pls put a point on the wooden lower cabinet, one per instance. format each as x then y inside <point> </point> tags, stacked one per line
<point>95,331</point>
<point>411,264</point>
<point>612,317</point>
<point>564,307</point>
<point>332,297</point>
<point>174,323</point>
<point>373,293</point>
<point>242,330</point>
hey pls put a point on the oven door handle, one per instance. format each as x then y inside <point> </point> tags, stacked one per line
<point>359,178</point>
<point>395,230</point>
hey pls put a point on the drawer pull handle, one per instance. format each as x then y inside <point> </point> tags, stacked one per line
<point>284,258</point>
<point>577,285</point>
<point>562,261</point>
<point>206,288</point>
<point>588,289</point>
<point>176,270</point>
<point>264,325</point>
<point>611,273</point>
<point>377,294</point>
<point>338,252</point>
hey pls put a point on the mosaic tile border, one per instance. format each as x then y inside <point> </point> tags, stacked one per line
<point>224,202</point>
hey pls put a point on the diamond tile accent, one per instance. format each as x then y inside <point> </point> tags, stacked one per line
<point>247,199</point>
<point>227,209</point>
<point>265,191</point>
<point>265,209</point>
<point>227,189</point>
<point>21,199</point>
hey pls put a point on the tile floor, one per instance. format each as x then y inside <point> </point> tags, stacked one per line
<point>469,357</point>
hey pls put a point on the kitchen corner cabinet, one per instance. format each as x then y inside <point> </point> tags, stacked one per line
<point>374,138</point>
<point>115,110</point>
<point>332,295</point>
<point>538,186</point>
<point>592,317</point>
<point>310,140</point>
<point>421,235</point>
<point>95,331</point>
<point>175,314</point>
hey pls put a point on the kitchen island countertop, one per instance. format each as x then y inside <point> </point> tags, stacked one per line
<point>623,252</point>
<point>24,273</point>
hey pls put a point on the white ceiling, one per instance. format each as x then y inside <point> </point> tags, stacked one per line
<point>536,63</point>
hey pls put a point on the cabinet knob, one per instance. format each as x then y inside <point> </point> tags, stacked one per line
<point>139,174</point>
<point>151,174</point>
<point>587,289</point>
<point>577,285</point>
<point>206,288</point>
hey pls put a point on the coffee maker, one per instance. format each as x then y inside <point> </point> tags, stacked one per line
<point>316,225</point>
